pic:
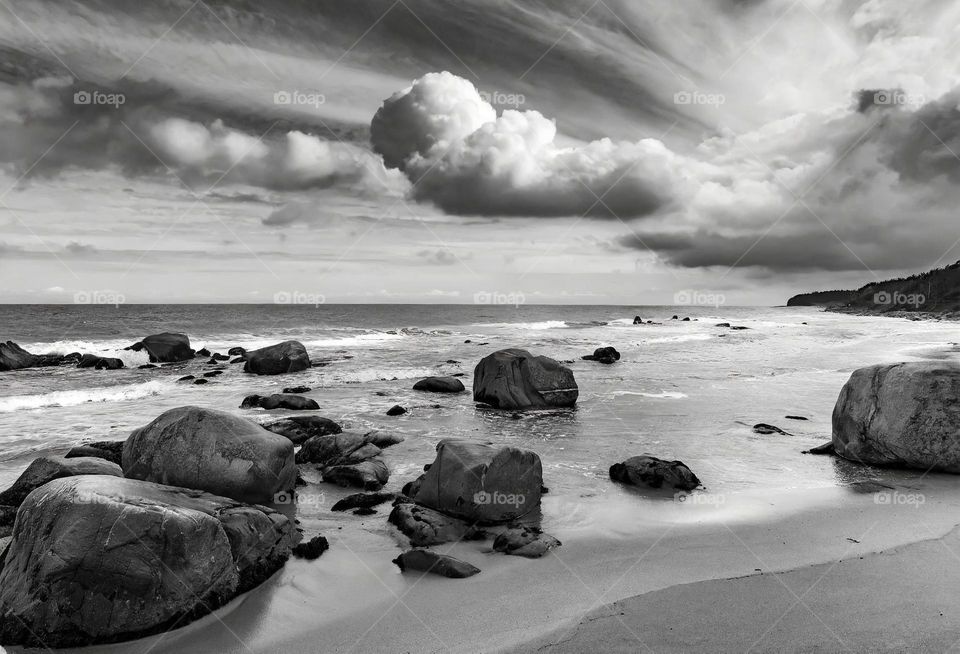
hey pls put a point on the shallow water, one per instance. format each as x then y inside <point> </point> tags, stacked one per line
<point>683,390</point>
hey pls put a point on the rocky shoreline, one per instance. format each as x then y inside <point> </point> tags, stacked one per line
<point>193,491</point>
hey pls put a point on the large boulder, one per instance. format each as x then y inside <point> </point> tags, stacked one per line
<point>481,483</point>
<point>440,385</point>
<point>212,451</point>
<point>47,468</point>
<point>301,428</point>
<point>165,348</point>
<point>655,473</point>
<point>345,448</point>
<point>515,379</point>
<point>97,559</point>
<point>903,414</point>
<point>289,356</point>
<point>370,475</point>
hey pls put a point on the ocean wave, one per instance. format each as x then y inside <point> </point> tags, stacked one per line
<point>110,348</point>
<point>75,397</point>
<point>544,324</point>
<point>682,338</point>
<point>662,395</point>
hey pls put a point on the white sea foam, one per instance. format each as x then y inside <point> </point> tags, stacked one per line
<point>111,348</point>
<point>545,324</point>
<point>681,338</point>
<point>75,397</point>
<point>667,395</point>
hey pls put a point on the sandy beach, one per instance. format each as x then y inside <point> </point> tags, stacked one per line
<point>716,579</point>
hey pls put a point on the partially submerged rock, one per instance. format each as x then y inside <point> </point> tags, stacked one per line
<point>297,390</point>
<point>825,449</point>
<point>763,428</point>
<point>396,410</point>
<point>345,447</point>
<point>362,501</point>
<point>212,451</point>
<point>47,468</point>
<point>165,348</point>
<point>605,355</point>
<point>14,357</point>
<point>424,526</point>
<point>98,559</point>
<point>515,379</point>
<point>289,356</point>
<point>524,541</point>
<point>903,414</point>
<point>371,474</point>
<point>440,385</point>
<point>301,428</point>
<point>99,363</point>
<point>280,401</point>
<point>480,482</point>
<point>438,564</point>
<point>312,549</point>
<point>653,472</point>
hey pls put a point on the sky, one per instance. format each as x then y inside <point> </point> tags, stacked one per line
<point>460,151</point>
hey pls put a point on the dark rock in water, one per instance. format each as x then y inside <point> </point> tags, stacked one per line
<point>468,341</point>
<point>903,414</point>
<point>739,328</point>
<point>345,447</point>
<point>47,468</point>
<point>371,474</point>
<point>606,355</point>
<point>362,501</point>
<point>438,564</point>
<point>99,363</point>
<point>289,356</point>
<point>424,526</point>
<point>515,379</point>
<point>201,381</point>
<point>687,319</point>
<point>653,472</point>
<point>110,450</point>
<point>297,390</point>
<point>365,511</point>
<point>301,428</point>
<point>165,348</point>
<point>237,360</point>
<point>312,549</point>
<point>126,558</point>
<point>458,374</point>
<point>146,366</point>
<point>216,356</point>
<point>524,541</point>
<point>637,320</point>
<point>453,361</point>
<point>14,357</point>
<point>481,483</point>
<point>675,318</point>
<point>237,351</point>
<point>795,418</point>
<point>213,451</point>
<point>763,428</point>
<point>440,385</point>
<point>722,324</point>
<point>213,361</point>
<point>280,401</point>
<point>203,352</point>
<point>826,448</point>
<point>186,378</point>
<point>213,373</point>
<point>396,410</point>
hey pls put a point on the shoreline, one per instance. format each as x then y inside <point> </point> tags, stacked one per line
<point>354,599</point>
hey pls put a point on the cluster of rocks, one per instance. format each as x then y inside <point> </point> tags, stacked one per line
<point>101,552</point>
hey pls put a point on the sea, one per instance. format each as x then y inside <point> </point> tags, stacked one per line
<point>688,390</point>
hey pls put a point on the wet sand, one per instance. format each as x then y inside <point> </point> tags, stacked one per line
<point>353,599</point>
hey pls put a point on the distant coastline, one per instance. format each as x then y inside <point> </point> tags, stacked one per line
<point>933,295</point>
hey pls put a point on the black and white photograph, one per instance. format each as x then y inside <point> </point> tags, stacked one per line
<point>479,326</point>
